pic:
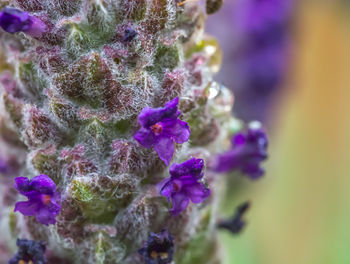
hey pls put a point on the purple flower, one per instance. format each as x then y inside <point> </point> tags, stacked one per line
<point>264,17</point>
<point>29,251</point>
<point>184,185</point>
<point>14,20</point>
<point>263,56</point>
<point>235,224</point>
<point>159,248</point>
<point>42,198</point>
<point>161,127</point>
<point>247,152</point>
<point>129,34</point>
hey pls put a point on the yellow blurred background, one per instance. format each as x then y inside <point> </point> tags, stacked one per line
<point>301,209</point>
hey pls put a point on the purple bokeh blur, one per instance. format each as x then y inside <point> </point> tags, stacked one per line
<point>255,38</point>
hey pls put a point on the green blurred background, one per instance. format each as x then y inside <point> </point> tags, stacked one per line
<point>301,209</point>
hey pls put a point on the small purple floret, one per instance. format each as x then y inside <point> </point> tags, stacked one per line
<point>160,127</point>
<point>159,248</point>
<point>14,20</point>
<point>129,34</point>
<point>247,152</point>
<point>29,251</point>
<point>184,185</point>
<point>42,197</point>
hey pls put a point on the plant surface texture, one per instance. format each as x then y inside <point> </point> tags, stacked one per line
<point>115,139</point>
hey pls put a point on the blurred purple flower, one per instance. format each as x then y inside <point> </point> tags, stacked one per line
<point>184,185</point>
<point>129,34</point>
<point>29,251</point>
<point>262,18</point>
<point>159,248</point>
<point>263,54</point>
<point>256,41</point>
<point>247,152</point>
<point>161,127</point>
<point>42,197</point>
<point>235,224</point>
<point>14,20</point>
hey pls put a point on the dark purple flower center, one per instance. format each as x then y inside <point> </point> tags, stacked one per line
<point>157,128</point>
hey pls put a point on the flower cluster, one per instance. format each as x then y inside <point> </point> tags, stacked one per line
<point>184,185</point>
<point>161,127</point>
<point>43,199</point>
<point>235,224</point>
<point>159,248</point>
<point>247,152</point>
<point>29,251</point>
<point>13,20</point>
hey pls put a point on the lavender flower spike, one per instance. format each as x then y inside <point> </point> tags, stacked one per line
<point>42,198</point>
<point>13,20</point>
<point>247,152</point>
<point>159,248</point>
<point>184,185</point>
<point>161,128</point>
<point>29,251</point>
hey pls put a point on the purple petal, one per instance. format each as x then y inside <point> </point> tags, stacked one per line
<point>13,20</point>
<point>22,184</point>
<point>165,149</point>
<point>56,199</point>
<point>170,187</point>
<point>192,167</point>
<point>253,170</point>
<point>37,27</point>
<point>177,129</point>
<point>145,137</point>
<point>28,208</point>
<point>165,187</point>
<point>227,161</point>
<point>45,216</point>
<point>54,208</point>
<point>150,116</point>
<point>180,203</point>
<point>43,184</point>
<point>238,139</point>
<point>197,192</point>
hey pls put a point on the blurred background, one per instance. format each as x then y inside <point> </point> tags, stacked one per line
<point>300,210</point>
